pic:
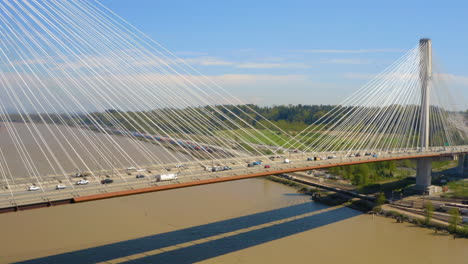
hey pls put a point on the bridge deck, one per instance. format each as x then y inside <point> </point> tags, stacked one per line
<point>191,176</point>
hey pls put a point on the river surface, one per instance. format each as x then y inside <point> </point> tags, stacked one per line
<point>247,221</point>
<point>53,149</point>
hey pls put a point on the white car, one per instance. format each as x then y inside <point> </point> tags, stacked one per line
<point>33,188</point>
<point>60,187</point>
<point>82,182</point>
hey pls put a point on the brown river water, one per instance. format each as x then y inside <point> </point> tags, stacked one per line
<point>76,149</point>
<point>247,221</point>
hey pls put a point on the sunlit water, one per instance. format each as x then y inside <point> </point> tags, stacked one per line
<point>248,221</point>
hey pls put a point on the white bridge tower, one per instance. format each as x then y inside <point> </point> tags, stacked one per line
<point>424,168</point>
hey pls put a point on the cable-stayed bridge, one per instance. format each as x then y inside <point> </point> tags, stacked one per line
<point>86,94</point>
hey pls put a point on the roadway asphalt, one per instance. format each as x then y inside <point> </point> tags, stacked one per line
<point>192,172</point>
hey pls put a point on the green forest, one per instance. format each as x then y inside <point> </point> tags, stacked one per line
<point>290,118</point>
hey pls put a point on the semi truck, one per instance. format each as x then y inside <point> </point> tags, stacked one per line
<point>166,177</point>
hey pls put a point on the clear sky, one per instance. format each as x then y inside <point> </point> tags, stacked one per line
<point>301,51</point>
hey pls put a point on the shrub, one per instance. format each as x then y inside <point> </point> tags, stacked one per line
<point>380,199</point>
<point>454,220</point>
<point>428,212</point>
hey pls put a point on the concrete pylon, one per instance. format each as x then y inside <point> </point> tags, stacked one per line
<point>424,167</point>
<point>425,75</point>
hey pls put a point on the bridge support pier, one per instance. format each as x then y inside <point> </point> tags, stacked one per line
<point>423,173</point>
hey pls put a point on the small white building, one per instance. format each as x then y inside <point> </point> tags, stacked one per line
<point>433,189</point>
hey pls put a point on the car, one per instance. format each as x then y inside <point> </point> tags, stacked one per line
<point>82,182</point>
<point>352,156</point>
<point>33,188</point>
<point>139,176</point>
<point>310,159</point>
<point>107,181</point>
<point>60,187</point>
<point>220,168</point>
<point>358,155</point>
<point>267,166</point>
<point>257,162</point>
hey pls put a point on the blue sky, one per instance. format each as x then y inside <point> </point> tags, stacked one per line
<point>309,52</point>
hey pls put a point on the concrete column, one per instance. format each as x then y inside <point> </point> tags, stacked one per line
<point>424,167</point>
<point>423,173</point>
<point>425,75</point>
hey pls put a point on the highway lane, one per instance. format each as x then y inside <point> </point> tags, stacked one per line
<point>192,172</point>
<point>122,181</point>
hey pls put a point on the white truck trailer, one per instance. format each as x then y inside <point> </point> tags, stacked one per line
<point>166,177</point>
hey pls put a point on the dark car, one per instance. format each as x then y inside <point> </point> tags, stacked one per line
<point>140,176</point>
<point>107,181</point>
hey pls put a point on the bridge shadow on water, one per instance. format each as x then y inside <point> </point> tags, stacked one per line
<point>211,248</point>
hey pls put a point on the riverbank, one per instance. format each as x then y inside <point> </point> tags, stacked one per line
<point>403,215</point>
<point>331,198</point>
